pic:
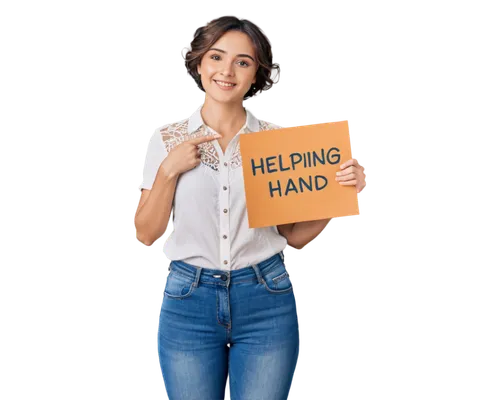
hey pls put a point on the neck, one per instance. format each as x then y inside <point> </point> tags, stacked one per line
<point>224,118</point>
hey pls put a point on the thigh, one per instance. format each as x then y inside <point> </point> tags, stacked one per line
<point>265,341</point>
<point>191,346</point>
<point>262,372</point>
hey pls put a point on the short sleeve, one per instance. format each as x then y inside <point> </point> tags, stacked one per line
<point>155,155</point>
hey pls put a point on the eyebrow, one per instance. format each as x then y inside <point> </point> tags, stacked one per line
<point>237,55</point>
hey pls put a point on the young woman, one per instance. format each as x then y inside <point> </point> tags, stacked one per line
<point>228,305</point>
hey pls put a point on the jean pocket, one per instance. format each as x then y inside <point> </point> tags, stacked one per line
<point>178,286</point>
<point>278,280</point>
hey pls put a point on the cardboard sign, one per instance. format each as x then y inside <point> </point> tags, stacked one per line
<point>289,174</point>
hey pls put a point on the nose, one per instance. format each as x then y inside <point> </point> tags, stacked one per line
<point>228,69</point>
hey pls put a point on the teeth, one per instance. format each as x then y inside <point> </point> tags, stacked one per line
<point>225,84</point>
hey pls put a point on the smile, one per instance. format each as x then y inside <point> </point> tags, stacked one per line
<point>225,85</point>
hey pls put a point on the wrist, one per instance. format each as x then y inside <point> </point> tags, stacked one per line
<point>169,173</point>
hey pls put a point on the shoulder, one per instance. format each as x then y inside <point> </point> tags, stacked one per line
<point>173,133</point>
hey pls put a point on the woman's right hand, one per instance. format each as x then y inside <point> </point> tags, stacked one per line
<point>185,156</point>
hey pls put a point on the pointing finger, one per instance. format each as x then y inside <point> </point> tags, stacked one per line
<point>203,139</point>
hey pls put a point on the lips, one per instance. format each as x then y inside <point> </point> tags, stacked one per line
<point>230,83</point>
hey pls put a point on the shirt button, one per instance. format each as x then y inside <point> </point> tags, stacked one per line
<point>225,210</point>
<point>224,277</point>
<point>225,188</point>
<point>224,237</point>
<point>225,262</point>
<point>225,164</point>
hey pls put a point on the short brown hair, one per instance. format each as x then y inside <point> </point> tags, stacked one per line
<point>206,36</point>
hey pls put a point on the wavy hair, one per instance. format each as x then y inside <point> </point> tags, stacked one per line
<point>207,35</point>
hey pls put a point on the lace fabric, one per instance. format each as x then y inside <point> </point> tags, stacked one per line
<point>177,132</point>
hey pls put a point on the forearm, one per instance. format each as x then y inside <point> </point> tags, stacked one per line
<point>305,231</point>
<point>152,218</point>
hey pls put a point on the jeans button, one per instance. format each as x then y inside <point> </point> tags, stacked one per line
<point>224,277</point>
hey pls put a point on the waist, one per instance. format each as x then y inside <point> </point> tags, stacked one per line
<point>211,275</point>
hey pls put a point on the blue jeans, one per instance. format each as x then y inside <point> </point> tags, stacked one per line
<point>242,323</point>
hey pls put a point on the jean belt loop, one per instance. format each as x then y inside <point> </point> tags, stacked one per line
<point>282,255</point>
<point>197,277</point>
<point>257,272</point>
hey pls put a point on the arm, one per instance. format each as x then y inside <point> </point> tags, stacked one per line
<point>298,234</point>
<point>162,169</point>
<point>155,206</point>
<point>157,192</point>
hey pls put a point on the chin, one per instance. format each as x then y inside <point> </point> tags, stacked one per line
<point>221,98</point>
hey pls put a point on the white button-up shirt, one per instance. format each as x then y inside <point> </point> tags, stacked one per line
<point>209,206</point>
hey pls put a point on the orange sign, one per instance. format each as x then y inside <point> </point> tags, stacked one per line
<point>289,174</point>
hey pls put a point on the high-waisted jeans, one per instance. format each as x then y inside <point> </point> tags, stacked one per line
<point>242,323</point>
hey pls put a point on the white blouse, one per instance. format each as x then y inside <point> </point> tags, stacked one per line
<point>209,208</point>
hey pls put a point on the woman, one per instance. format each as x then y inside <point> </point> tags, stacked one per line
<point>228,305</point>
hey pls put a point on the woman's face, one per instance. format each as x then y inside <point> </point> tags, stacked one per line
<point>231,59</point>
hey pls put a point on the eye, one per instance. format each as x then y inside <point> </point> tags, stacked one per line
<point>245,63</point>
<point>214,55</point>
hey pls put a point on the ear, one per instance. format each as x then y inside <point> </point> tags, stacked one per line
<point>198,69</point>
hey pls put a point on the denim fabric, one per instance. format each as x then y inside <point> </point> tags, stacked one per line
<point>241,323</point>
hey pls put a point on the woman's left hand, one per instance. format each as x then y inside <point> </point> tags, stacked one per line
<point>352,174</point>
